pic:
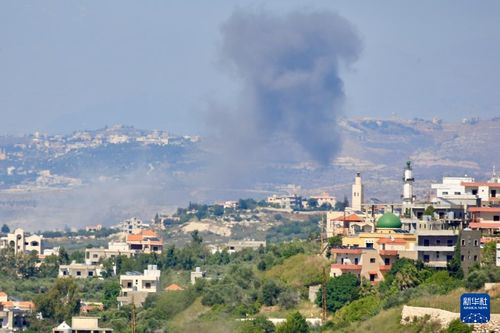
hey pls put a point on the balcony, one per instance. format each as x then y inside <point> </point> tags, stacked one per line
<point>435,248</point>
<point>347,267</point>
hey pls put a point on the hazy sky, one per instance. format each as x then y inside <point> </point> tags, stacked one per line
<point>68,65</point>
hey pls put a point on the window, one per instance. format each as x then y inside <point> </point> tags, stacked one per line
<point>78,273</point>
<point>369,245</point>
<point>496,218</point>
<point>372,277</point>
<point>448,258</point>
<point>463,242</point>
<point>437,255</point>
<point>493,193</point>
<point>129,284</point>
<point>356,260</point>
<point>387,261</point>
<point>475,258</point>
<point>445,193</point>
<point>450,242</point>
<point>457,193</point>
<point>438,242</point>
<point>476,242</point>
<point>426,242</point>
<point>148,285</point>
<point>462,258</point>
<point>426,258</point>
<point>91,273</point>
<point>372,260</point>
<point>474,192</point>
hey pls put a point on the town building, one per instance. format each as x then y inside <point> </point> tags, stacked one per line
<point>79,271</point>
<point>132,226</point>
<point>87,307</point>
<point>238,245</point>
<point>288,202</point>
<point>82,325</point>
<point>22,242</point>
<point>357,193</point>
<point>14,315</point>
<point>93,228</point>
<point>146,241</point>
<point>173,287</point>
<point>470,249</point>
<point>387,236</point>
<point>365,263</point>
<point>136,286</point>
<point>486,219</point>
<point>94,256</point>
<point>341,223</point>
<point>197,274</point>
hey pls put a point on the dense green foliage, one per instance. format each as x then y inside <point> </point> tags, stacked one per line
<point>340,291</point>
<point>295,323</point>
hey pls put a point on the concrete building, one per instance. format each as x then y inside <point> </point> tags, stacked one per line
<point>321,199</point>
<point>21,242</point>
<point>288,202</point>
<point>238,245</point>
<point>132,226</point>
<point>453,188</point>
<point>14,315</point>
<point>146,241</point>
<point>339,223</point>
<point>82,325</point>
<point>486,219</point>
<point>362,262</point>
<point>94,256</point>
<point>470,250</point>
<point>387,236</point>
<point>136,286</point>
<point>357,198</point>
<point>197,274</point>
<point>79,271</point>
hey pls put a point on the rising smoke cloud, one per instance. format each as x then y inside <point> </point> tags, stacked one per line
<point>291,89</point>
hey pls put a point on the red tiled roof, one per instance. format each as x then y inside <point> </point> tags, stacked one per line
<point>347,251</point>
<point>347,267</point>
<point>373,272</point>
<point>473,184</point>
<point>385,267</point>
<point>485,240</point>
<point>174,287</point>
<point>388,252</point>
<point>391,241</point>
<point>484,209</point>
<point>349,218</point>
<point>28,305</point>
<point>484,225</point>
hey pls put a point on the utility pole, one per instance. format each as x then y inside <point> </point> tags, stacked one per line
<point>323,297</point>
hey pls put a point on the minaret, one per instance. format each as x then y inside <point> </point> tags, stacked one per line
<point>357,193</point>
<point>408,197</point>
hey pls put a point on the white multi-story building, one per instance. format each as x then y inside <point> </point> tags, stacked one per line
<point>136,286</point>
<point>22,242</point>
<point>132,226</point>
<point>289,202</point>
<point>79,271</point>
<point>94,255</point>
<point>453,188</point>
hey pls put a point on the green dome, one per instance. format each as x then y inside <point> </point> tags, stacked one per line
<point>389,221</point>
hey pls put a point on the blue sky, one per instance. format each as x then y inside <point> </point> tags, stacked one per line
<point>67,65</point>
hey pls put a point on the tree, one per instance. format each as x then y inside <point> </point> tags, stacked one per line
<point>488,254</point>
<point>456,326</point>
<point>455,264</point>
<point>111,292</point>
<point>288,298</point>
<point>5,229</point>
<point>259,325</point>
<point>61,302</point>
<point>312,203</point>
<point>196,239</point>
<point>63,256</point>
<point>295,323</point>
<point>429,211</point>
<point>218,210</point>
<point>339,291</point>
<point>270,293</point>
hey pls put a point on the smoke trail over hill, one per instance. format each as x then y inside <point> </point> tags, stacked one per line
<point>292,91</point>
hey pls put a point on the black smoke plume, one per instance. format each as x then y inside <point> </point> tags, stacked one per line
<point>291,89</point>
